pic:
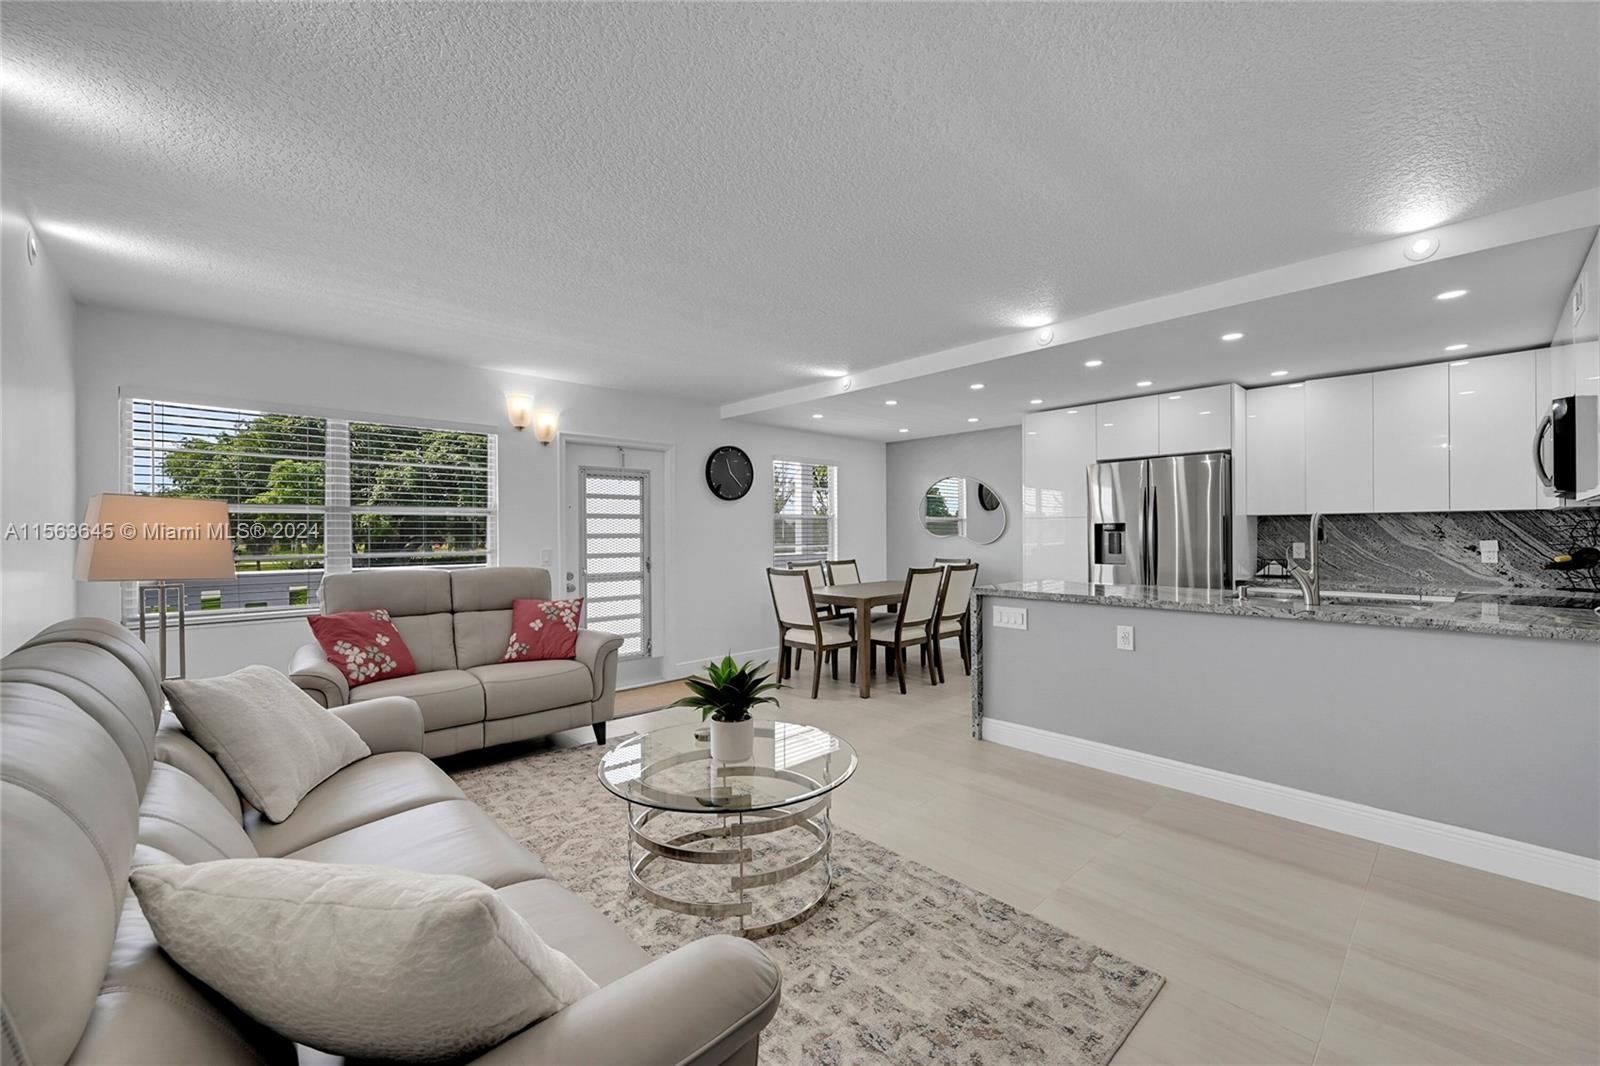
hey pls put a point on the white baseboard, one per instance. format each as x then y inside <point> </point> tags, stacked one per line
<point>1559,870</point>
<point>756,655</point>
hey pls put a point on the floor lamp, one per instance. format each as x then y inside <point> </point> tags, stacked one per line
<point>160,542</point>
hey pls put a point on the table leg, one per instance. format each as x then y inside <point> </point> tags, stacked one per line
<point>864,649</point>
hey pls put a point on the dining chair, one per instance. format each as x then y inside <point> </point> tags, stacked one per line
<point>955,615</point>
<point>818,578</point>
<point>951,562</point>
<point>913,625</point>
<point>801,628</point>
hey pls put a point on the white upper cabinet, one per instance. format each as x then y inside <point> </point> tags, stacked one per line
<point>1057,448</point>
<point>1491,433</point>
<point>1411,439</point>
<point>1275,433</point>
<point>1197,420</point>
<point>1128,428</point>
<point>1339,444</point>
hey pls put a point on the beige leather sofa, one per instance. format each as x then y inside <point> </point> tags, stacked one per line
<point>96,780</point>
<point>456,625</point>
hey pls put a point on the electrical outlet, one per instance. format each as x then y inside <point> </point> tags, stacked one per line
<point>1124,638</point>
<point>1010,617</point>
<point>1297,550</point>
<point>1489,550</point>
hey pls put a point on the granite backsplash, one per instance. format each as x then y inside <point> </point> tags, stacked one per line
<point>1440,549</point>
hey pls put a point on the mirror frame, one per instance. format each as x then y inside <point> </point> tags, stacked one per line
<point>1005,512</point>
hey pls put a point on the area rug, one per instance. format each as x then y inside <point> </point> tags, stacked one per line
<point>901,964</point>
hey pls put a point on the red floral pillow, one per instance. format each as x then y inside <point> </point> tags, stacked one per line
<point>543,629</point>
<point>364,645</point>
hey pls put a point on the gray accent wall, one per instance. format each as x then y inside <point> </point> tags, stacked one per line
<point>994,456</point>
<point>1497,734</point>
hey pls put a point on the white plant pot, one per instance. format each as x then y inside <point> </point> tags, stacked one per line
<point>733,742</point>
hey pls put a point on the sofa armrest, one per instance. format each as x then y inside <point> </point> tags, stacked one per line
<point>321,680</point>
<point>598,651</point>
<point>387,723</point>
<point>699,1004</point>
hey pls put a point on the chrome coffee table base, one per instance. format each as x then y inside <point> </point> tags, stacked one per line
<point>735,827</point>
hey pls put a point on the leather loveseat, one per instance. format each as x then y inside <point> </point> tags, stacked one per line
<point>97,780</point>
<point>456,625</point>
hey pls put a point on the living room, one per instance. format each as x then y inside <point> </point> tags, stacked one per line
<point>836,533</point>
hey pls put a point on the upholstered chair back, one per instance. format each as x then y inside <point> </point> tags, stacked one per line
<point>418,601</point>
<point>843,572</point>
<point>951,562</point>
<point>481,599</point>
<point>921,595</point>
<point>958,584</point>
<point>791,596</point>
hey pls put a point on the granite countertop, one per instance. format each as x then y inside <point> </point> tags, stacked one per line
<point>1478,612</point>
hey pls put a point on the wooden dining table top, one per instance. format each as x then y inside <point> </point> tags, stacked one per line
<point>871,593</point>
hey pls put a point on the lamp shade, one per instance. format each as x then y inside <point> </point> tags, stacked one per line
<point>155,538</point>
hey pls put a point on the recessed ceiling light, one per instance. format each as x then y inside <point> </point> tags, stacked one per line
<point>818,415</point>
<point>891,403</point>
<point>1467,392</point>
<point>1108,425</point>
<point>1176,396</point>
<point>1143,384</point>
<point>1045,336</point>
<point>972,420</point>
<point>1205,412</point>
<point>903,429</point>
<point>1451,294</point>
<point>976,385</point>
<point>1461,362</point>
<point>1036,401</point>
<point>1033,433</point>
<point>1072,411</point>
<point>1093,362</point>
<point>1232,336</point>
<point>1279,374</point>
<point>1455,347</point>
<point>1420,248</point>
<point>1298,385</point>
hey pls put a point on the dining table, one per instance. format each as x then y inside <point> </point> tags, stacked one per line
<point>863,596</point>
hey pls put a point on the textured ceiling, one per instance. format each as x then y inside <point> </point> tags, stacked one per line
<point>727,199</point>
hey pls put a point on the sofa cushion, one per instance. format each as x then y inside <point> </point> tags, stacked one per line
<point>177,748</point>
<point>408,967</point>
<point>375,787</point>
<point>482,599</point>
<point>274,741</point>
<point>576,929</point>
<point>431,640</point>
<point>481,637</point>
<point>453,837</point>
<point>543,629</point>
<point>403,593</point>
<point>364,646</point>
<point>447,697</point>
<point>181,817</point>
<point>510,689</point>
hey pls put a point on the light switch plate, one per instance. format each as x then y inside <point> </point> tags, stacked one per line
<point>544,558</point>
<point>1124,638</point>
<point>1489,550</point>
<point>1297,550</point>
<point>1010,617</point>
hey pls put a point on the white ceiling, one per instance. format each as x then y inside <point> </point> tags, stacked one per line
<point>1514,296</point>
<point>722,200</point>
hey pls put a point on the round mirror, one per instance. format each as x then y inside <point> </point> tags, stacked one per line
<point>963,507</point>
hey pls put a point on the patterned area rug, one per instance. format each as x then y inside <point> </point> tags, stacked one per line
<point>901,964</point>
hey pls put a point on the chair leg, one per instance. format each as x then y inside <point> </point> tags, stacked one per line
<point>938,659</point>
<point>816,673</point>
<point>833,660</point>
<point>933,664</point>
<point>900,665</point>
<point>966,650</point>
<point>854,655</point>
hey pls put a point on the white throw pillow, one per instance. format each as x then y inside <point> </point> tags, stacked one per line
<point>361,961</point>
<point>274,742</point>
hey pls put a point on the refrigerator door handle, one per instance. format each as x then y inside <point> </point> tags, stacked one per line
<point>1152,517</point>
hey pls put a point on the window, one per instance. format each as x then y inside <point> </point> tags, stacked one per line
<point>804,513</point>
<point>309,495</point>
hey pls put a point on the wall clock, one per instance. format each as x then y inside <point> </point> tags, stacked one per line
<point>729,472</point>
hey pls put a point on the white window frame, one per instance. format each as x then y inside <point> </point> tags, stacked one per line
<point>338,541</point>
<point>832,551</point>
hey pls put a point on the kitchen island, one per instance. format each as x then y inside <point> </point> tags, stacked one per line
<point>1468,730</point>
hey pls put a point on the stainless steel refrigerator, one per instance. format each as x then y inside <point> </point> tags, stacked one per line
<point>1164,521</point>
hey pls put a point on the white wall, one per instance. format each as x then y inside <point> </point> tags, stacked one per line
<point>36,435</point>
<point>716,552</point>
<point>994,456</point>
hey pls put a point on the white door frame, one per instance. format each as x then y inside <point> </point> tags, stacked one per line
<point>567,554</point>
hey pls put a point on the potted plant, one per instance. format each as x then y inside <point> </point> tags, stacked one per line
<point>725,695</point>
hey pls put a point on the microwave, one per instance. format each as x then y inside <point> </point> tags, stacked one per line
<point>1566,448</point>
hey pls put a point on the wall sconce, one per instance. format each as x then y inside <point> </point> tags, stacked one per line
<point>519,409</point>
<point>545,427</point>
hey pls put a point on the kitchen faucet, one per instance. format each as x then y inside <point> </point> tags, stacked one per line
<point>1310,578</point>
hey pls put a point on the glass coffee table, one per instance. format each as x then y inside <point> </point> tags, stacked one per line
<point>766,820</point>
